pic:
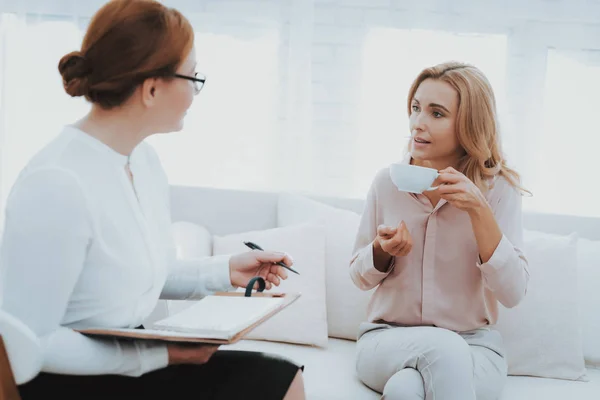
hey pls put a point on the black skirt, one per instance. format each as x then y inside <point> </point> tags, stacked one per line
<point>228,374</point>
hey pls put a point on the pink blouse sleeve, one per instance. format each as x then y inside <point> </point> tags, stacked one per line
<point>506,272</point>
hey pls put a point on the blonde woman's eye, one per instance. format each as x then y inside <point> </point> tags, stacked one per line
<point>437,114</point>
<point>415,108</point>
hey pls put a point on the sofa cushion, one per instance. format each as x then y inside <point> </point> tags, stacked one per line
<point>530,388</point>
<point>346,304</point>
<point>588,260</point>
<point>304,321</point>
<point>191,240</point>
<point>542,335</point>
<point>330,375</point>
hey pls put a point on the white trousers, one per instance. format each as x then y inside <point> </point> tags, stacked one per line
<point>431,363</point>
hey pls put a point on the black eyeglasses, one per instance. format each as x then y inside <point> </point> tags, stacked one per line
<point>198,81</point>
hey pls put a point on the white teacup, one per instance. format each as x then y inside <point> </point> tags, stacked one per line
<point>412,178</point>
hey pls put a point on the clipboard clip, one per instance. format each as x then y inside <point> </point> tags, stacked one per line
<point>261,285</point>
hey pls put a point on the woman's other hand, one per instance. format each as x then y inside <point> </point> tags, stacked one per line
<point>186,353</point>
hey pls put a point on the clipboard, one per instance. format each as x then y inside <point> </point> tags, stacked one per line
<point>175,336</point>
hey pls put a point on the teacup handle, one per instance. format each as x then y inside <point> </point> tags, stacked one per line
<point>433,187</point>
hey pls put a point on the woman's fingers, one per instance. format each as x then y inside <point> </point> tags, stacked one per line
<point>451,188</point>
<point>446,178</point>
<point>279,271</point>
<point>386,231</point>
<point>401,242</point>
<point>404,250</point>
<point>395,250</point>
<point>274,257</point>
<point>273,279</point>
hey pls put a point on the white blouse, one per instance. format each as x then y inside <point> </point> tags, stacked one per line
<point>84,247</point>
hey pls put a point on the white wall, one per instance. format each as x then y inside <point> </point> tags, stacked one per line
<point>296,95</point>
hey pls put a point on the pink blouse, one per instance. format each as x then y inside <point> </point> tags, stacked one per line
<point>441,282</point>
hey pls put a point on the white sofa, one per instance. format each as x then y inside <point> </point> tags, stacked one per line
<point>329,373</point>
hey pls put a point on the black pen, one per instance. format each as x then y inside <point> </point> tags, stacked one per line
<point>257,247</point>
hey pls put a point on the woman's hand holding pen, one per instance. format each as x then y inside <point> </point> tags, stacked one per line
<point>245,266</point>
<point>242,267</point>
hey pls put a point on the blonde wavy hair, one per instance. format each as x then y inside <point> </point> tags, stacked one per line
<point>476,122</point>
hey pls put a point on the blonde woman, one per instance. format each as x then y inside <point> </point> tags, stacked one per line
<point>442,260</point>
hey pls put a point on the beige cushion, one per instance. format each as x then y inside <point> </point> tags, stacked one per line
<point>588,274</point>
<point>346,304</point>
<point>305,321</point>
<point>542,335</point>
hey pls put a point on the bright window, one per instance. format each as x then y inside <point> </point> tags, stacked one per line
<point>566,174</point>
<point>231,127</point>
